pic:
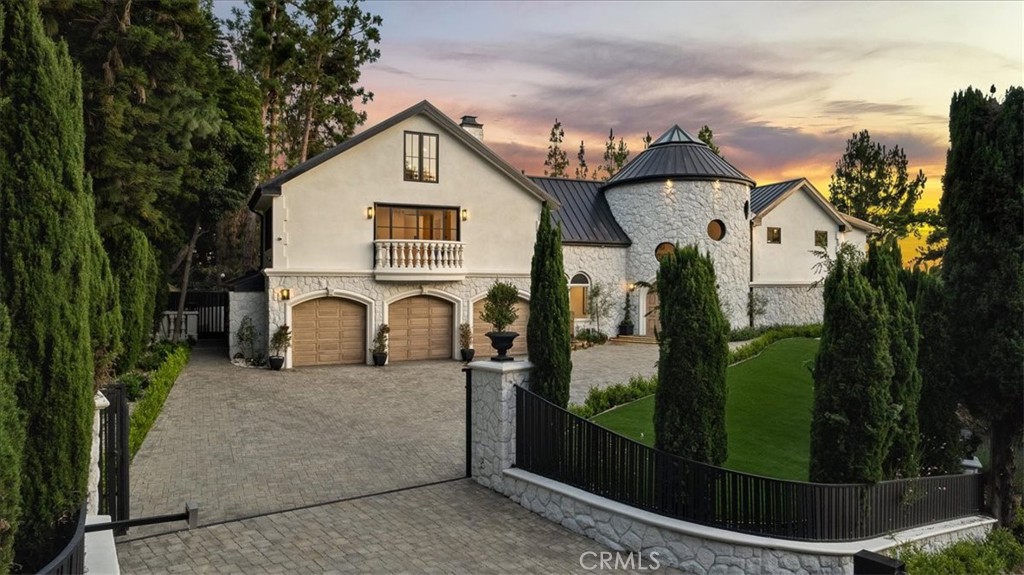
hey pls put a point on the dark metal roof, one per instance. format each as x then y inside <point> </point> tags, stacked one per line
<point>678,156</point>
<point>251,281</point>
<point>272,187</point>
<point>762,196</point>
<point>584,215</point>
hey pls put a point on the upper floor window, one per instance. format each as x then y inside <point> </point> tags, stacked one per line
<point>579,286</point>
<point>420,157</point>
<point>775,235</point>
<point>416,223</point>
<point>820,239</point>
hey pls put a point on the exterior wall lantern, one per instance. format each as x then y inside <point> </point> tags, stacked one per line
<point>369,213</point>
<point>465,214</point>
<point>285,293</point>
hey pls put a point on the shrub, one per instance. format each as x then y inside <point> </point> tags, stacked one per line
<point>465,336</point>
<point>689,408</point>
<point>105,319</point>
<point>592,335</point>
<point>500,305</point>
<point>549,326</point>
<point>601,400</point>
<point>997,554</point>
<point>134,382</point>
<point>148,408</point>
<point>134,264</point>
<point>281,340</point>
<point>246,338</point>
<point>380,340</point>
<point>770,336</point>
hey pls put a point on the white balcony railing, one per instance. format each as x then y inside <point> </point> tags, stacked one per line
<point>412,260</point>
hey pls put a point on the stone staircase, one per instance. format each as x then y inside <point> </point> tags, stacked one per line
<point>623,339</point>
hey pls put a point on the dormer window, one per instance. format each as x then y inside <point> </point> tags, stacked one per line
<point>420,157</point>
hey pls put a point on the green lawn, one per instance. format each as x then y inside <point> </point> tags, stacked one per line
<point>767,415</point>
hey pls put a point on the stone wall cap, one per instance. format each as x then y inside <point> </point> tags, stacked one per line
<point>845,548</point>
<point>101,401</point>
<point>500,366</point>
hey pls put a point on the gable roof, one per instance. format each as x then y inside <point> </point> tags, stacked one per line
<point>764,199</point>
<point>272,187</point>
<point>585,215</point>
<point>677,155</point>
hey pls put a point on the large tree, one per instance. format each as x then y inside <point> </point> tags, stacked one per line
<point>871,183</point>
<point>615,156</point>
<point>134,263</point>
<point>852,410</point>
<point>582,171</point>
<point>557,162</point>
<point>940,426</point>
<point>689,405</point>
<point>45,270</point>
<point>708,137</point>
<point>982,203</point>
<point>550,315</point>
<point>12,440</point>
<point>883,272</point>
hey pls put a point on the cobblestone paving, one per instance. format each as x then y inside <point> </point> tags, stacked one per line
<point>243,442</point>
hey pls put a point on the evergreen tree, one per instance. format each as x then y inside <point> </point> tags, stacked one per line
<point>708,137</point>
<point>982,203</point>
<point>615,155</point>
<point>12,439</point>
<point>134,262</point>
<point>582,171</point>
<point>557,161</point>
<point>852,374</point>
<point>106,321</point>
<point>883,272</point>
<point>45,273</point>
<point>647,140</point>
<point>689,408</point>
<point>548,329</point>
<point>940,426</point>
<point>871,183</point>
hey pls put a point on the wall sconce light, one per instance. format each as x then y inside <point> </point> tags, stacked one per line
<point>369,213</point>
<point>285,293</point>
<point>465,214</point>
<point>631,286</point>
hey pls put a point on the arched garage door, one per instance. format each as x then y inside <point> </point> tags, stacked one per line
<point>421,328</point>
<point>328,331</point>
<point>480,327</point>
<point>653,319</point>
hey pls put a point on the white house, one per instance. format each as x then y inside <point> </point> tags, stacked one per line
<point>409,223</point>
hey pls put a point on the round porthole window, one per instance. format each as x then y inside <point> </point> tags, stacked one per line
<point>663,250</point>
<point>716,230</point>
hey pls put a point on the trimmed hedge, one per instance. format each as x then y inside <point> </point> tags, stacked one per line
<point>149,407</point>
<point>601,400</point>
<point>999,553</point>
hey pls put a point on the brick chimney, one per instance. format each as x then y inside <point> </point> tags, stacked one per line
<point>476,129</point>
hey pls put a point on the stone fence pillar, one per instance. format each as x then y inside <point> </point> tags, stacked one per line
<point>493,412</point>
<point>101,403</point>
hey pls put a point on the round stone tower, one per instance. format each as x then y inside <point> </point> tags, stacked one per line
<point>679,191</point>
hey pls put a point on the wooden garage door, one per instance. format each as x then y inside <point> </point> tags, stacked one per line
<point>328,331</point>
<point>421,328</point>
<point>482,345</point>
<point>652,318</point>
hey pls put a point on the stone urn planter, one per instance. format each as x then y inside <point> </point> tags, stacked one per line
<point>380,358</point>
<point>502,341</point>
<point>276,362</point>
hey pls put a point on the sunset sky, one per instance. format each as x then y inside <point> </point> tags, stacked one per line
<point>783,85</point>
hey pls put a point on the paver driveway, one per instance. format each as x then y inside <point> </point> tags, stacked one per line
<point>265,453</point>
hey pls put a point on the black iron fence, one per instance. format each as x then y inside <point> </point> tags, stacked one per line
<point>559,445</point>
<point>212,308</point>
<point>114,455</point>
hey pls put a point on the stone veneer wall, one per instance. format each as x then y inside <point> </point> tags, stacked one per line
<point>654,212</point>
<point>790,304</point>
<point>693,548</point>
<point>252,304</point>
<point>607,266</point>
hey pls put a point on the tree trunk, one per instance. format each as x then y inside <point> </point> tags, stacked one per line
<point>184,282</point>
<point>1000,477</point>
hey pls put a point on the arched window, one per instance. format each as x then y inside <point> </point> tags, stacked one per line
<point>579,286</point>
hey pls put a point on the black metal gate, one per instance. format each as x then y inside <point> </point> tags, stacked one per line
<point>114,457</point>
<point>212,307</point>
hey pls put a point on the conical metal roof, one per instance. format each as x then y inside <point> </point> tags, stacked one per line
<point>677,155</point>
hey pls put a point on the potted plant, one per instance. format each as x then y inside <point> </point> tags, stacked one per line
<point>279,344</point>
<point>626,326</point>
<point>465,341</point>
<point>380,345</point>
<point>500,312</point>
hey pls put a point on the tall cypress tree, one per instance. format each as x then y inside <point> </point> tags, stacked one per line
<point>689,408</point>
<point>982,203</point>
<point>45,273</point>
<point>550,316</point>
<point>852,375</point>
<point>883,272</point>
<point>134,261</point>
<point>106,321</point>
<point>940,426</point>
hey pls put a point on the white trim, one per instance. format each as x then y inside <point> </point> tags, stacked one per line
<point>457,310</point>
<point>802,283</point>
<point>307,272</point>
<point>847,548</point>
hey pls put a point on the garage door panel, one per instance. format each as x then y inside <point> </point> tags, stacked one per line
<point>328,331</point>
<point>421,328</point>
